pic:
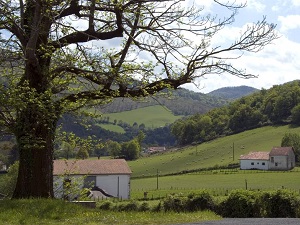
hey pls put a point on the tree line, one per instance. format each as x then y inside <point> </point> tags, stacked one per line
<point>278,105</point>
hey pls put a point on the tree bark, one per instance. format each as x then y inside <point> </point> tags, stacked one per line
<point>35,131</point>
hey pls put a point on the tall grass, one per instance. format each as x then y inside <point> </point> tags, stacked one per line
<point>46,211</point>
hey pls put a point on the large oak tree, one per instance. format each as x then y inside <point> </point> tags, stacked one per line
<point>58,56</point>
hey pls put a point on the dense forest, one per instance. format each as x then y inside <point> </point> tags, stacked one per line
<point>278,105</point>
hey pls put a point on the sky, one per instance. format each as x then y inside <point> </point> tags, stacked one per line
<point>277,63</point>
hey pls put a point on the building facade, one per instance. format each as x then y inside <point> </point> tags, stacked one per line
<point>112,176</point>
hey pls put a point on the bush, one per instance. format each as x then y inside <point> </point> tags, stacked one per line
<point>144,207</point>
<point>130,206</point>
<point>175,203</point>
<point>202,201</point>
<point>281,203</point>
<point>105,205</point>
<point>240,204</point>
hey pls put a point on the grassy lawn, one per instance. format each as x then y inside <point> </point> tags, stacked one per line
<point>41,211</point>
<point>216,182</point>
<point>217,152</point>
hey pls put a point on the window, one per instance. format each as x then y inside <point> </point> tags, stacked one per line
<point>258,163</point>
<point>252,163</point>
<point>263,163</point>
<point>272,159</point>
<point>276,164</point>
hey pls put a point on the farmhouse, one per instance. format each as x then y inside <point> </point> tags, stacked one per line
<point>279,158</point>
<point>110,175</point>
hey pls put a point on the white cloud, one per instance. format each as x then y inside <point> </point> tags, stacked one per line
<point>296,2</point>
<point>289,22</point>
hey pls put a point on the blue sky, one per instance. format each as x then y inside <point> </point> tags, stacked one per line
<point>277,63</point>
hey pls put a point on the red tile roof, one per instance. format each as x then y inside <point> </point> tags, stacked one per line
<point>93,167</point>
<point>256,156</point>
<point>281,151</point>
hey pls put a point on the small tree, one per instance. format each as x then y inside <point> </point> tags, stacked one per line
<point>296,115</point>
<point>114,149</point>
<point>131,150</point>
<point>82,152</point>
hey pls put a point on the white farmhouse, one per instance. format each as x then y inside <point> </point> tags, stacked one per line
<point>279,158</point>
<point>255,160</point>
<point>110,175</point>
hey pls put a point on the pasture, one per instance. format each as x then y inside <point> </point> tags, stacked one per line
<point>219,152</point>
<point>152,116</point>
<point>217,182</point>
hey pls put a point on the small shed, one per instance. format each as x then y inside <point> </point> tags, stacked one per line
<point>282,158</point>
<point>255,160</point>
<point>110,175</point>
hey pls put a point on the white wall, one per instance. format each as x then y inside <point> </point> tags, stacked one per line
<point>115,185</point>
<point>247,164</point>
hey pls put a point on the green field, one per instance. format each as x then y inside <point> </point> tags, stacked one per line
<point>111,127</point>
<point>218,181</point>
<point>217,152</point>
<point>152,116</point>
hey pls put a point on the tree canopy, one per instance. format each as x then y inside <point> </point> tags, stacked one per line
<point>59,56</point>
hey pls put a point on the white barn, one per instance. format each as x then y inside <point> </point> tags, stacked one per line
<point>255,160</point>
<point>110,175</point>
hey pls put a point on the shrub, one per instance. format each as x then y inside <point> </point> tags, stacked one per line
<point>130,206</point>
<point>240,204</point>
<point>105,205</point>
<point>281,203</point>
<point>144,207</point>
<point>174,203</point>
<point>202,201</point>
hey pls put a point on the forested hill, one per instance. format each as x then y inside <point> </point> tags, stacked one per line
<point>275,106</point>
<point>180,102</point>
<point>233,92</point>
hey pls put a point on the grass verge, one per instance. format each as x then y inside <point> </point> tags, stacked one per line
<point>46,211</point>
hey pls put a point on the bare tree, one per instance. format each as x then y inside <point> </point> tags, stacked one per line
<point>59,56</point>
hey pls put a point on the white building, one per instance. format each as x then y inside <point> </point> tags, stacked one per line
<point>255,160</point>
<point>279,158</point>
<point>111,175</point>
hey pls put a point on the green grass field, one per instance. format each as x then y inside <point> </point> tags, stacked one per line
<point>152,116</point>
<point>111,127</point>
<point>218,181</point>
<point>217,152</point>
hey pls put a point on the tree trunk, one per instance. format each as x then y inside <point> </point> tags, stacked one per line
<point>35,130</point>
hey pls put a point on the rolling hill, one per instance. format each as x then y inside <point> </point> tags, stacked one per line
<point>232,93</point>
<point>218,152</point>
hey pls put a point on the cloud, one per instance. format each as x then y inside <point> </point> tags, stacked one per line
<point>296,2</point>
<point>289,22</point>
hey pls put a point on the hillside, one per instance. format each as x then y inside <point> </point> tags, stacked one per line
<point>180,102</point>
<point>218,152</point>
<point>275,106</point>
<point>233,92</point>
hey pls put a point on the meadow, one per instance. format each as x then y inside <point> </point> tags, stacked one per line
<point>57,212</point>
<point>152,116</point>
<point>218,152</point>
<point>217,182</point>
